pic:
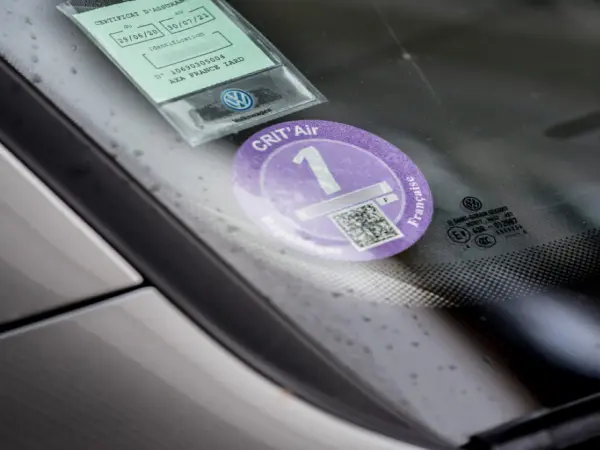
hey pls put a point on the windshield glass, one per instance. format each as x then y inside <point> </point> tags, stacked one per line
<point>420,192</point>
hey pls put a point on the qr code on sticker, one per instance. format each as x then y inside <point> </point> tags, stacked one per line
<point>366,226</point>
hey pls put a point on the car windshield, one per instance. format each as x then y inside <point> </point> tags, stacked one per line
<point>421,196</point>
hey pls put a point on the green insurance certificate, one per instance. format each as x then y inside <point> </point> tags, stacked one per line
<point>171,49</point>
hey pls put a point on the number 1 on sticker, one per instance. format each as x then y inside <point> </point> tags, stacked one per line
<point>319,168</point>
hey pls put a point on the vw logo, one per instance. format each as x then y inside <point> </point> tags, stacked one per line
<point>472,203</point>
<point>237,100</point>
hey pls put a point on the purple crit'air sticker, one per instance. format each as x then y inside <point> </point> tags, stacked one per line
<point>332,190</point>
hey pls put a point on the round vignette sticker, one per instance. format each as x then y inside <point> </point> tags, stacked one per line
<point>332,190</point>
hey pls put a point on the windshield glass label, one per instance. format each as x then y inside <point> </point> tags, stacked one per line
<point>483,228</point>
<point>171,49</point>
<point>332,190</point>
